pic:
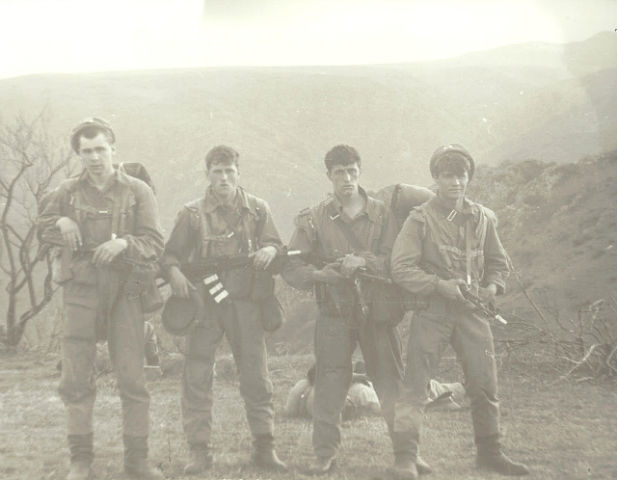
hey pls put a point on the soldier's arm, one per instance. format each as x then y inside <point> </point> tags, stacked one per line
<point>297,272</point>
<point>146,242</point>
<point>496,268</point>
<point>406,257</point>
<point>269,235</point>
<point>380,264</point>
<point>180,244</point>
<point>54,206</point>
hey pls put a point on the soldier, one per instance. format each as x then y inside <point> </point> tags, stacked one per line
<point>104,217</point>
<point>348,231</point>
<point>447,243</point>
<point>226,221</point>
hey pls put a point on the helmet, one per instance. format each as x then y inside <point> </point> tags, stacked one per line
<point>181,314</point>
<point>447,149</point>
<point>90,122</point>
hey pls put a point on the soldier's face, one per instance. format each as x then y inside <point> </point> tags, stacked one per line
<point>97,156</point>
<point>223,178</point>
<point>345,179</point>
<point>451,185</point>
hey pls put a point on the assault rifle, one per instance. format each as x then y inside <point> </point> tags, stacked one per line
<point>207,270</point>
<point>53,238</point>
<point>487,309</point>
<point>357,279</point>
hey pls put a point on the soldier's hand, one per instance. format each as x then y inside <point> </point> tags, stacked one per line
<point>329,274</point>
<point>180,285</point>
<point>263,257</point>
<point>487,295</point>
<point>106,252</point>
<point>450,289</point>
<point>351,263</point>
<point>70,232</point>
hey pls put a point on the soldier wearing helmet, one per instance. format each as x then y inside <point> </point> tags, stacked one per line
<point>448,243</point>
<point>103,217</point>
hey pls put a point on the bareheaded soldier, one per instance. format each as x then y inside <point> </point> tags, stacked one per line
<point>447,244</point>
<point>104,218</point>
<point>347,232</point>
<point>226,221</point>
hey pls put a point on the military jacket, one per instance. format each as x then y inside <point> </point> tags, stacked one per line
<point>431,245</point>
<point>206,228</point>
<point>125,208</point>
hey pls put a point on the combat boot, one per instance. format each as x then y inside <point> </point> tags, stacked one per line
<point>80,470</point>
<point>200,460</point>
<point>265,456</point>
<point>322,465</point>
<point>491,457</point>
<point>82,455</point>
<point>404,468</point>
<point>136,459</point>
<point>423,467</point>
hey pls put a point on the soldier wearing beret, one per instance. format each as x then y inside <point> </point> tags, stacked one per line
<point>448,243</point>
<point>226,221</point>
<point>103,217</point>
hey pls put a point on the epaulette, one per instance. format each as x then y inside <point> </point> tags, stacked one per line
<point>192,208</point>
<point>305,219</point>
<point>491,215</point>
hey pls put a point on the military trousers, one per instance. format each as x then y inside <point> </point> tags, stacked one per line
<point>446,322</point>
<point>335,341</point>
<point>125,340</point>
<point>240,322</point>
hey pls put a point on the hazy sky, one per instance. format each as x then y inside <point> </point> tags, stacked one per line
<point>38,36</point>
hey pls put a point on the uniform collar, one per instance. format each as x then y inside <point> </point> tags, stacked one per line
<point>116,177</point>
<point>469,208</point>
<point>211,202</point>
<point>335,208</point>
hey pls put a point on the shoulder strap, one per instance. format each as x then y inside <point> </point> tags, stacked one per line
<point>468,234</point>
<point>204,230</point>
<point>394,200</point>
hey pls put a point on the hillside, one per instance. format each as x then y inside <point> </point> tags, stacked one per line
<point>551,102</point>
<point>559,224</point>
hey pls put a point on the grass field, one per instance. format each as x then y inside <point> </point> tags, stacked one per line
<point>563,429</point>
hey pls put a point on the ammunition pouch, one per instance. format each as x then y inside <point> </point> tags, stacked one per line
<point>140,281</point>
<point>262,293</point>
<point>61,264</point>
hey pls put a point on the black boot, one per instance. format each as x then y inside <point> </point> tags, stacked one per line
<point>82,455</point>
<point>322,465</point>
<point>201,459</point>
<point>423,467</point>
<point>265,456</point>
<point>404,468</point>
<point>136,459</point>
<point>491,457</point>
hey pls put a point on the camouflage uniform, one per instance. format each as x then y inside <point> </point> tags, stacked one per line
<point>96,302</point>
<point>339,325</point>
<point>431,246</point>
<point>204,229</point>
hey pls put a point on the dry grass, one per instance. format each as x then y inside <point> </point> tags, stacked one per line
<point>563,430</point>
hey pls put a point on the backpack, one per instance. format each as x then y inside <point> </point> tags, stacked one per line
<point>401,198</point>
<point>137,170</point>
